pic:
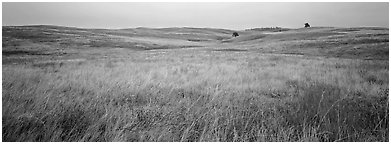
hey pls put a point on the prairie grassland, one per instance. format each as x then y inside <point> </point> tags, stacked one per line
<point>190,95</point>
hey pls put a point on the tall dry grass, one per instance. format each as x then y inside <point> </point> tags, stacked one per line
<point>197,96</point>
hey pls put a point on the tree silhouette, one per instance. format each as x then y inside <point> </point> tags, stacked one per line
<point>307,25</point>
<point>235,34</point>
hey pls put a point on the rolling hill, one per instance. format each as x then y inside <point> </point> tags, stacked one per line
<point>360,42</point>
<point>321,84</point>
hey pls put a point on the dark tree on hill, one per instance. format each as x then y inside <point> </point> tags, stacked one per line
<point>307,25</point>
<point>235,34</point>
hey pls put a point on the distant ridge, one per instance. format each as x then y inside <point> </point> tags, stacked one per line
<point>203,28</point>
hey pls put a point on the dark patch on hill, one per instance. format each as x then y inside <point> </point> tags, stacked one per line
<point>234,50</point>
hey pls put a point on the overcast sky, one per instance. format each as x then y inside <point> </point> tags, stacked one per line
<point>215,15</point>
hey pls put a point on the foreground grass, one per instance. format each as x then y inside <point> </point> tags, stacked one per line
<point>202,96</point>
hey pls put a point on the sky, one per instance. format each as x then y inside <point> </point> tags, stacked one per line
<point>233,15</point>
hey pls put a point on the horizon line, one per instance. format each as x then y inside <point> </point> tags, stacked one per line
<point>187,27</point>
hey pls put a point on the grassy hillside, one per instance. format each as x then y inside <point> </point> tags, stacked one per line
<point>358,43</point>
<point>194,84</point>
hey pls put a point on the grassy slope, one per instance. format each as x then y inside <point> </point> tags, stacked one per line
<point>362,43</point>
<point>62,87</point>
<point>357,43</point>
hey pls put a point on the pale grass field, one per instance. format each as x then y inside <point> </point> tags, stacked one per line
<point>189,95</point>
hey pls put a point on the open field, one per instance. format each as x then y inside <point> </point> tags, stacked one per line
<point>195,84</point>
